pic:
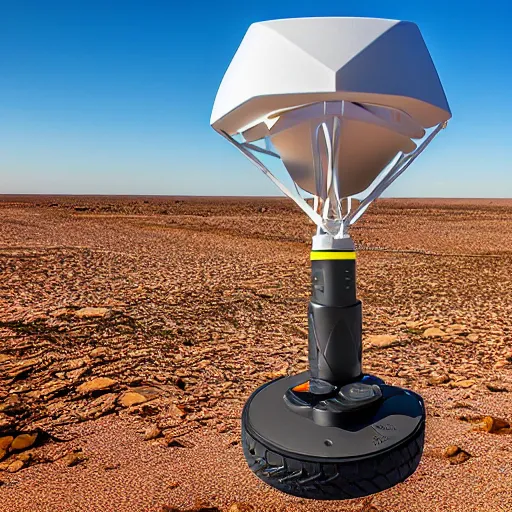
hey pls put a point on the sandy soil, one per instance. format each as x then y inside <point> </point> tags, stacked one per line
<point>183,306</point>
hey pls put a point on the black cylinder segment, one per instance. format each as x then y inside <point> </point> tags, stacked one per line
<point>335,319</point>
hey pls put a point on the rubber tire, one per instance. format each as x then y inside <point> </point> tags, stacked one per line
<point>334,480</point>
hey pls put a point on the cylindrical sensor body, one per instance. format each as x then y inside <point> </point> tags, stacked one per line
<point>334,317</point>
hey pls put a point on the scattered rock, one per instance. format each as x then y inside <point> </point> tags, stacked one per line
<point>130,398</point>
<point>5,442</point>
<point>433,332</point>
<point>458,327</point>
<point>493,425</point>
<point>15,466</point>
<point>23,441</point>
<point>496,388</point>
<point>148,392</point>
<point>451,451</point>
<point>382,340</point>
<point>459,458</point>
<point>456,455</point>
<point>152,433</point>
<point>178,443</point>
<point>464,383</point>
<point>98,352</point>
<point>99,407</point>
<point>438,378</point>
<point>150,408</point>
<point>91,312</point>
<point>4,465</point>
<point>73,458</point>
<point>176,411</point>
<point>97,384</point>
<point>26,457</point>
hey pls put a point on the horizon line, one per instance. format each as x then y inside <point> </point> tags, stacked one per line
<point>230,196</point>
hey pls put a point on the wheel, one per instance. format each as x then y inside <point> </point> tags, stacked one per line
<point>329,478</point>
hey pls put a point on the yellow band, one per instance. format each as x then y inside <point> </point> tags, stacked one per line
<point>332,255</point>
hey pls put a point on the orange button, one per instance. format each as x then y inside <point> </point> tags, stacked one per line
<point>301,388</point>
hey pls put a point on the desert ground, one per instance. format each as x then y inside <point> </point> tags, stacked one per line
<point>133,329</point>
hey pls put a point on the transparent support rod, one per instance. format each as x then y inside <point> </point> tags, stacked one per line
<point>326,212</point>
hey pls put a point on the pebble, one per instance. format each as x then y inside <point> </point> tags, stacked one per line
<point>98,352</point>
<point>496,387</point>
<point>152,433</point>
<point>465,383</point>
<point>460,458</point>
<point>98,384</point>
<point>91,312</point>
<point>178,443</point>
<point>24,456</point>
<point>98,407</point>
<point>458,327</point>
<point>452,450</point>
<point>438,378</point>
<point>5,442</point>
<point>382,340</point>
<point>492,425</point>
<point>130,398</point>
<point>15,466</point>
<point>23,441</point>
<point>73,458</point>
<point>433,332</point>
<point>456,455</point>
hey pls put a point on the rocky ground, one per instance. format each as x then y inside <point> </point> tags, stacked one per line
<point>133,329</point>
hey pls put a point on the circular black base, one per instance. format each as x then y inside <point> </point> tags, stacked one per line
<point>372,450</point>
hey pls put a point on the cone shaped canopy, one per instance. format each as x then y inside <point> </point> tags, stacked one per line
<point>339,98</point>
<point>284,63</point>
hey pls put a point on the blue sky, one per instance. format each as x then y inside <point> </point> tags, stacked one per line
<point>114,97</point>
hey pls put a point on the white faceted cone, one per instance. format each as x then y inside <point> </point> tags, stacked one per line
<point>282,64</point>
<point>363,151</point>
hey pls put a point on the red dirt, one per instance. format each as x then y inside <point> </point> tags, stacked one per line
<point>203,299</point>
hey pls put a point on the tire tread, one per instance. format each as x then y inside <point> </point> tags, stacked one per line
<point>334,481</point>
